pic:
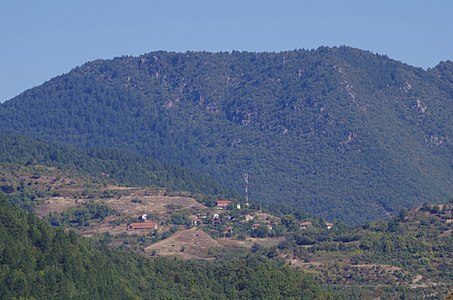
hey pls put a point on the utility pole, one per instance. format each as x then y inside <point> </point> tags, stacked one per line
<point>246,179</point>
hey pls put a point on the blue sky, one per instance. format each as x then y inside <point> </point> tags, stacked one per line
<point>43,39</point>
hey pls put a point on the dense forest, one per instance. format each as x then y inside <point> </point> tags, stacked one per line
<point>338,132</point>
<point>112,165</point>
<point>42,262</point>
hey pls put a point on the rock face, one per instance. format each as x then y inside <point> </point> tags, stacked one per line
<point>339,132</point>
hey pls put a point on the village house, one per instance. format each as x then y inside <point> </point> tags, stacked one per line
<point>255,226</point>
<point>143,226</point>
<point>329,225</point>
<point>223,204</point>
<point>305,225</point>
<point>194,220</point>
<point>216,219</point>
<point>248,217</point>
<point>202,217</point>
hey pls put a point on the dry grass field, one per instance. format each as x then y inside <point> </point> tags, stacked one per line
<point>150,204</point>
<point>56,204</point>
<point>187,244</point>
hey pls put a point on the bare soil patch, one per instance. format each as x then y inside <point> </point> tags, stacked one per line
<point>187,244</point>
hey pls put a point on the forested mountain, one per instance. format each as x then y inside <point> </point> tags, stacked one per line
<point>339,132</point>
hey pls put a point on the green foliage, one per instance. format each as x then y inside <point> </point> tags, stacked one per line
<point>384,257</point>
<point>339,132</point>
<point>42,262</point>
<point>108,164</point>
<point>81,215</point>
<point>179,219</point>
<point>260,232</point>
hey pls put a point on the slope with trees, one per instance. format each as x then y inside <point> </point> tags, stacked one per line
<point>42,262</point>
<point>339,132</point>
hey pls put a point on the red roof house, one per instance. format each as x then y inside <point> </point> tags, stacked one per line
<point>221,204</point>
<point>144,225</point>
<point>305,225</point>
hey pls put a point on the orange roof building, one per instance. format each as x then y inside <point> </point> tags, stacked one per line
<point>223,203</point>
<point>305,224</point>
<point>144,225</point>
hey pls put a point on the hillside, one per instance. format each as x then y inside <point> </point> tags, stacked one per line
<point>408,257</point>
<point>42,262</point>
<point>106,165</point>
<point>338,132</point>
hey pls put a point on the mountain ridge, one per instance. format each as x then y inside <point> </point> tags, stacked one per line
<point>339,132</point>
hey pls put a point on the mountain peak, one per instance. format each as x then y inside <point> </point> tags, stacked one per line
<point>444,70</point>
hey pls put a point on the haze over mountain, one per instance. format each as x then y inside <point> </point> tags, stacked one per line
<point>340,132</point>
